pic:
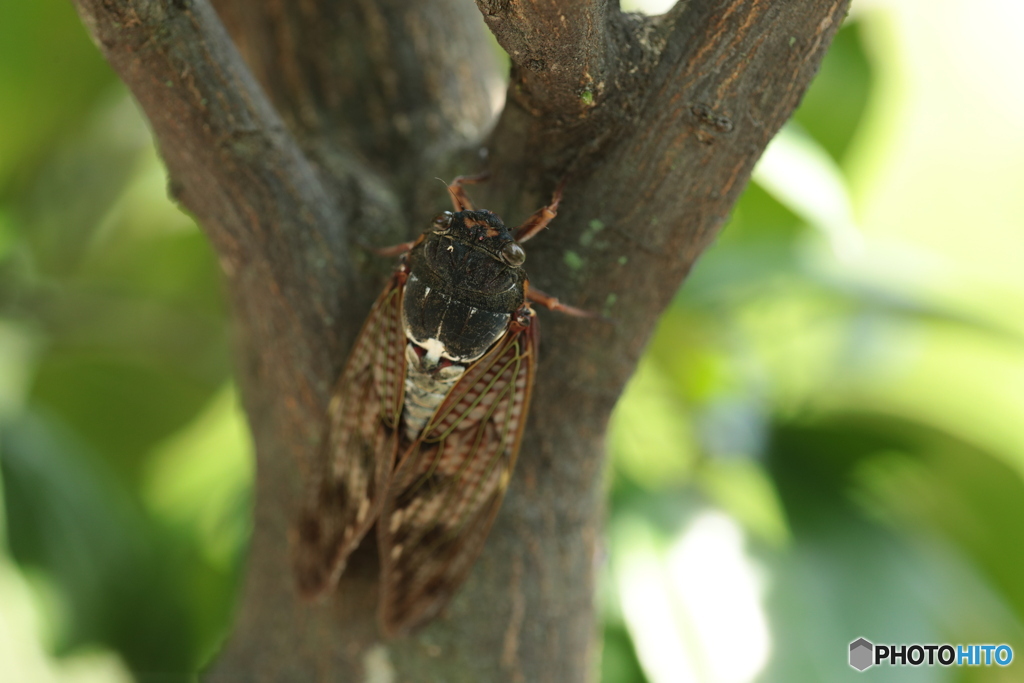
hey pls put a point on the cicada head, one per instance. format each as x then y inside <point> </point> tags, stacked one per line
<point>474,251</point>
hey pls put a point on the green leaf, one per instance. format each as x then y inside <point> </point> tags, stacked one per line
<point>50,74</point>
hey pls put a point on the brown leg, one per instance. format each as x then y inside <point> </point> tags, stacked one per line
<point>540,219</point>
<point>396,250</point>
<point>459,198</point>
<point>550,302</point>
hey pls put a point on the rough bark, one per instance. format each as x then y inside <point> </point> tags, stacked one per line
<point>329,134</point>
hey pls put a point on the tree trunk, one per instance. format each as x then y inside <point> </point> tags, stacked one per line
<point>329,135</point>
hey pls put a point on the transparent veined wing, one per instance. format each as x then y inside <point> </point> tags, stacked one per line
<point>349,485</point>
<point>449,484</point>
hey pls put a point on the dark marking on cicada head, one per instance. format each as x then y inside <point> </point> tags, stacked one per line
<point>483,229</point>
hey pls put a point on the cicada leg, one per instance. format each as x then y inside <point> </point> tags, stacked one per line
<point>396,250</point>
<point>553,304</point>
<point>459,198</point>
<point>540,218</point>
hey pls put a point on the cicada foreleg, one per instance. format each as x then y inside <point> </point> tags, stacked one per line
<point>540,218</point>
<point>396,250</point>
<point>459,198</point>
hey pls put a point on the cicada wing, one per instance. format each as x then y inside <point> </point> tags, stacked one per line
<point>449,484</point>
<point>349,483</point>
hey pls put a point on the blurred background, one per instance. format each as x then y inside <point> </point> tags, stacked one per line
<point>823,442</point>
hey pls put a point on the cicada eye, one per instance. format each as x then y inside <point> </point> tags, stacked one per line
<point>513,254</point>
<point>442,221</point>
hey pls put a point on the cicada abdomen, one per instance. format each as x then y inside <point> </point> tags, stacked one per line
<point>425,423</point>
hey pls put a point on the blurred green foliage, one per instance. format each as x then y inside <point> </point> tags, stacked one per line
<point>800,459</point>
<point>768,394</point>
<point>124,457</point>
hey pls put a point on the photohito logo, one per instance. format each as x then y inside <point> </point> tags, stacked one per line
<point>865,654</point>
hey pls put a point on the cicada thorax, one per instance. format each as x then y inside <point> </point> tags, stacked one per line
<point>465,285</point>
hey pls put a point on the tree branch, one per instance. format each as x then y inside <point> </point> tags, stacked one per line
<point>561,51</point>
<point>399,84</point>
<point>231,160</point>
<point>654,122</point>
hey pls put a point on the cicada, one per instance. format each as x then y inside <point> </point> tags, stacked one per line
<point>425,422</point>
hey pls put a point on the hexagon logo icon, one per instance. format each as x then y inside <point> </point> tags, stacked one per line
<point>861,651</point>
